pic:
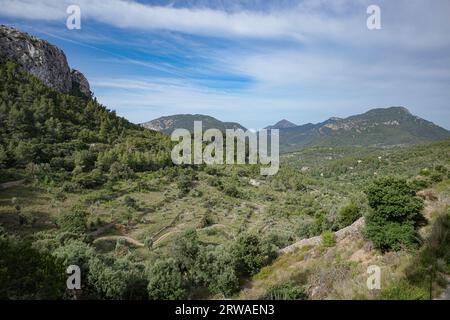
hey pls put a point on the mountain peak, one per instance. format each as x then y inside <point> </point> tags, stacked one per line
<point>375,127</point>
<point>43,60</point>
<point>282,124</point>
<point>186,121</point>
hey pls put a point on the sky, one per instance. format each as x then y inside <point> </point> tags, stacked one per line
<point>252,61</point>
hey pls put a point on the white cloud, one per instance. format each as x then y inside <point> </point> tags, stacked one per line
<point>410,24</point>
<point>332,52</point>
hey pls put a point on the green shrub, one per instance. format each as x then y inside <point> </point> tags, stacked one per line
<point>206,221</point>
<point>185,249</point>
<point>119,171</point>
<point>396,211</point>
<point>74,221</point>
<point>130,202</point>
<point>285,291</point>
<point>27,273</point>
<point>387,235</point>
<point>327,239</point>
<point>90,180</point>
<point>215,269</point>
<point>248,254</point>
<point>348,214</point>
<point>402,290</point>
<point>232,191</point>
<point>148,242</point>
<point>165,281</point>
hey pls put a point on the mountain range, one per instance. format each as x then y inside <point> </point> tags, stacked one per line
<point>186,121</point>
<point>282,124</point>
<point>376,127</point>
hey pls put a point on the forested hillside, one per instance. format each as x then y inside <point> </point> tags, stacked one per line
<point>91,189</point>
<point>376,127</point>
<point>69,136</point>
<point>186,121</point>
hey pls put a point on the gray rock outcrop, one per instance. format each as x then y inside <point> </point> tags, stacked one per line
<point>42,60</point>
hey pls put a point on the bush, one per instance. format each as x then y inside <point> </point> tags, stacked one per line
<point>395,213</point>
<point>432,263</point>
<point>119,171</point>
<point>130,202</point>
<point>285,291</point>
<point>215,269</point>
<point>347,215</point>
<point>327,239</point>
<point>185,250</point>
<point>420,184</point>
<point>232,191</point>
<point>394,200</point>
<point>206,221</point>
<point>26,273</point>
<point>117,279</point>
<point>403,291</point>
<point>148,242</point>
<point>387,235</point>
<point>165,281</point>
<point>74,221</point>
<point>90,180</point>
<point>248,254</point>
<point>185,183</point>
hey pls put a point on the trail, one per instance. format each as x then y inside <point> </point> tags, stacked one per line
<point>126,238</point>
<point>164,236</point>
<point>157,241</point>
<point>11,184</point>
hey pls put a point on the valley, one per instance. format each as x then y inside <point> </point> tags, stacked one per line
<point>83,186</point>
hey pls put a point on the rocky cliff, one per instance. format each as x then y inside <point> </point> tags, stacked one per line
<point>42,60</point>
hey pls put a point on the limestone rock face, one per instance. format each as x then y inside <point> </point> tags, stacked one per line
<point>79,81</point>
<point>42,60</point>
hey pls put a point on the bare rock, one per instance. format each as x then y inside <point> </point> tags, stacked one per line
<point>42,60</point>
<point>80,82</point>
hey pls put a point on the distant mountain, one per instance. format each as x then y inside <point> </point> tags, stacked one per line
<point>382,127</point>
<point>186,121</point>
<point>283,124</point>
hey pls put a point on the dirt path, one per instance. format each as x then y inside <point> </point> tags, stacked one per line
<point>126,238</point>
<point>164,236</point>
<point>172,223</point>
<point>11,184</point>
<point>157,241</point>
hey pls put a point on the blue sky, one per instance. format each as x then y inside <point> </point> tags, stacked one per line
<point>253,61</point>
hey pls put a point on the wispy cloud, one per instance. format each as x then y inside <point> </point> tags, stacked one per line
<point>254,61</point>
<point>410,22</point>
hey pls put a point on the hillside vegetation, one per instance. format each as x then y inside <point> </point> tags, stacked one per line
<point>376,127</point>
<point>94,190</point>
<point>186,121</point>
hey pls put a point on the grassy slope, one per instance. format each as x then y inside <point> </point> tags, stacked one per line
<point>340,272</point>
<point>271,207</point>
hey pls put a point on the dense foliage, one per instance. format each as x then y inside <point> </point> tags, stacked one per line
<point>70,137</point>
<point>27,273</point>
<point>101,193</point>
<point>396,211</point>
